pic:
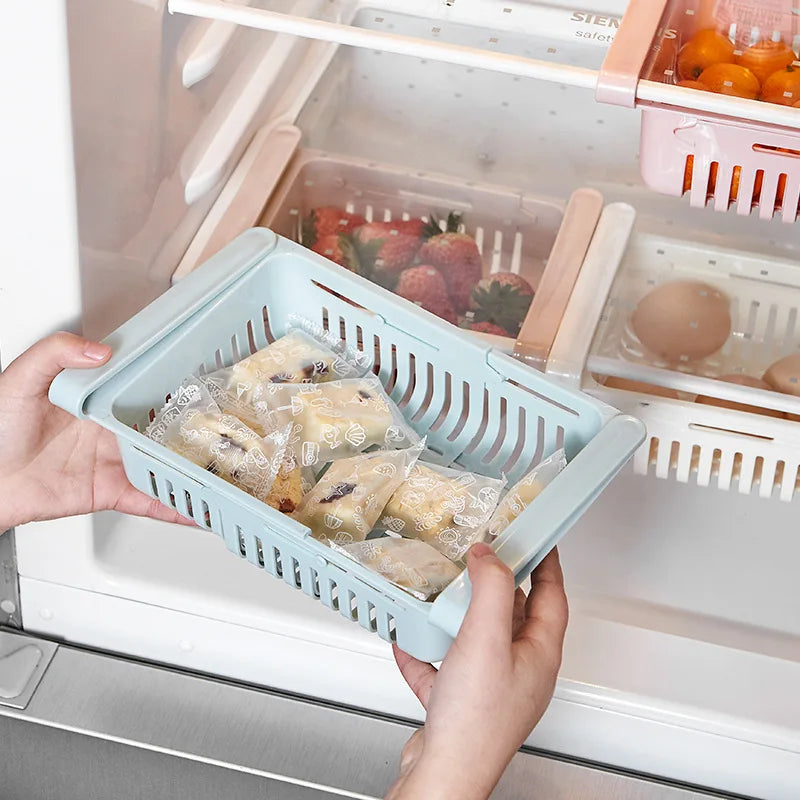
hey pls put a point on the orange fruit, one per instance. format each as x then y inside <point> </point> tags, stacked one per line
<point>731,79</point>
<point>705,49</point>
<point>781,190</point>
<point>693,85</point>
<point>736,180</point>
<point>782,87</point>
<point>766,57</point>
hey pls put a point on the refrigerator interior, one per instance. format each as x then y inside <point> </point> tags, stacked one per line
<point>684,647</point>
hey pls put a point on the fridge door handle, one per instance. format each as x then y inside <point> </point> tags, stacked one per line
<point>559,506</point>
<point>71,388</point>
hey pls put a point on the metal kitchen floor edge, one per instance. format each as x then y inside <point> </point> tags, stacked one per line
<point>10,612</point>
<point>309,748</point>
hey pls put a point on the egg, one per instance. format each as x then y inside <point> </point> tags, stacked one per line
<point>643,388</point>
<point>784,376</point>
<point>683,321</point>
<point>742,380</point>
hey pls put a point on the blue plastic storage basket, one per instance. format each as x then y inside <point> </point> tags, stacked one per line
<point>478,407</point>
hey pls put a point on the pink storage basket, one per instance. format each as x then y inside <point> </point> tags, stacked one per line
<point>727,151</point>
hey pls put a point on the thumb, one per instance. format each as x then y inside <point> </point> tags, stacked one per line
<point>31,373</point>
<point>491,609</point>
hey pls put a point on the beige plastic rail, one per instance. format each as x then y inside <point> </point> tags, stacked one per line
<point>241,202</point>
<point>570,351</point>
<point>619,76</point>
<point>540,328</point>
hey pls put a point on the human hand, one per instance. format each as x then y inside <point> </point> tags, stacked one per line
<point>52,464</point>
<point>493,686</point>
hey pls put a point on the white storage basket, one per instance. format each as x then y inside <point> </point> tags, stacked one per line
<point>706,444</point>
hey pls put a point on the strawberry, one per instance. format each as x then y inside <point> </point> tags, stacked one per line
<point>456,256</point>
<point>327,221</point>
<point>426,287</point>
<point>397,244</point>
<point>488,327</point>
<point>502,299</point>
<point>339,248</point>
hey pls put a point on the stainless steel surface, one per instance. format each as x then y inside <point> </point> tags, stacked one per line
<point>294,748</point>
<point>41,763</point>
<point>9,582</point>
<point>23,662</point>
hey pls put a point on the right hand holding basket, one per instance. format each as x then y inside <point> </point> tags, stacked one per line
<point>493,686</point>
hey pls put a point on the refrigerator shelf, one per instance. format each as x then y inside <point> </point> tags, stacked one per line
<point>732,151</point>
<point>551,41</point>
<point>707,444</point>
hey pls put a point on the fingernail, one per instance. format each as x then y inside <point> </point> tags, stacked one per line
<point>480,550</point>
<point>96,351</point>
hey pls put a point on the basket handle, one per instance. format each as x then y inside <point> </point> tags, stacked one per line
<point>542,321</point>
<point>619,76</point>
<point>523,546</point>
<point>570,350</point>
<point>72,387</point>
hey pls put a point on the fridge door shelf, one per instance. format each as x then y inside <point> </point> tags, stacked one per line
<point>707,443</point>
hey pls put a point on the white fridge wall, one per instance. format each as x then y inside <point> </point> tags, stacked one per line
<point>682,657</point>
<point>163,107</point>
<point>39,269</point>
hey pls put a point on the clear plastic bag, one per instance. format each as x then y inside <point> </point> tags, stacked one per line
<point>446,508</point>
<point>523,493</point>
<point>297,358</point>
<point>410,564</point>
<point>357,359</point>
<point>335,420</point>
<point>191,425</point>
<point>348,500</point>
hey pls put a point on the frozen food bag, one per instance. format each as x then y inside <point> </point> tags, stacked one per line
<point>336,420</point>
<point>297,357</point>
<point>446,508</point>
<point>410,564</point>
<point>191,425</point>
<point>192,395</point>
<point>348,500</point>
<point>357,359</point>
<point>522,494</point>
<point>291,482</point>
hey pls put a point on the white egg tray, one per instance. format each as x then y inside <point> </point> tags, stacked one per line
<point>688,441</point>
